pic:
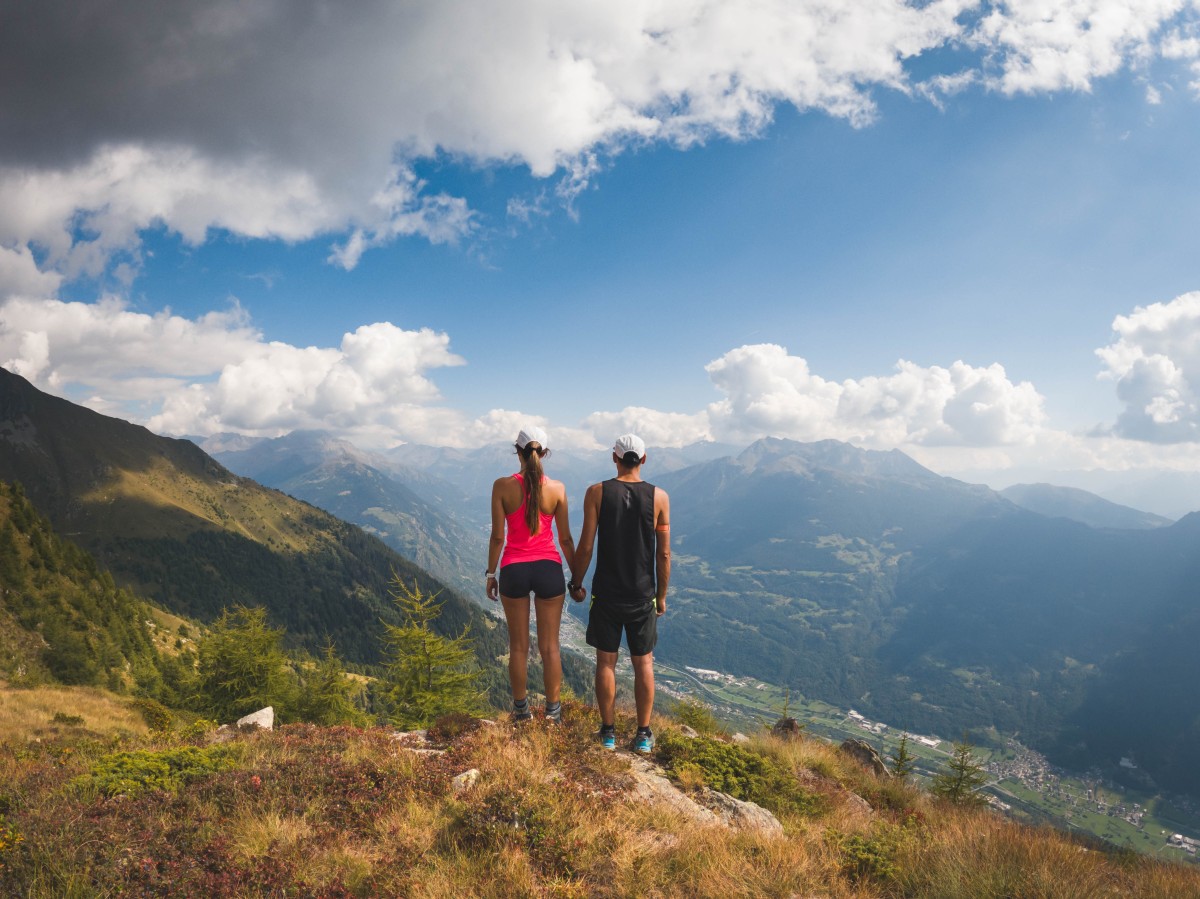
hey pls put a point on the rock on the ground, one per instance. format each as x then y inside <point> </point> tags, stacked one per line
<point>650,784</point>
<point>742,815</point>
<point>264,718</point>
<point>866,755</point>
<point>740,738</point>
<point>787,728</point>
<point>685,731</point>
<point>465,780</point>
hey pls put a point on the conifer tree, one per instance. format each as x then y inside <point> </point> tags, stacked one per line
<point>241,667</point>
<point>963,777</point>
<point>427,675</point>
<point>903,761</point>
<point>327,693</point>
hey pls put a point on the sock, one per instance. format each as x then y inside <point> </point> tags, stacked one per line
<point>521,705</point>
<point>607,728</point>
<point>553,707</point>
<point>645,730</point>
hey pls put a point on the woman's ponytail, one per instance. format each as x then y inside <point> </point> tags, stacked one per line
<point>531,471</point>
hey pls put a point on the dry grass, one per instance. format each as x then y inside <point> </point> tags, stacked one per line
<point>341,812</point>
<point>28,713</point>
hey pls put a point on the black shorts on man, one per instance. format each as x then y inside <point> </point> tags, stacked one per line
<point>608,621</point>
<point>544,579</point>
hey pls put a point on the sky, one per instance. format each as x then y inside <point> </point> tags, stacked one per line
<point>969,231</point>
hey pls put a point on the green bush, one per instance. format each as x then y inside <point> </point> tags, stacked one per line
<point>69,720</point>
<point>737,770</point>
<point>696,715</point>
<point>140,771</point>
<point>156,715</point>
<point>873,856</point>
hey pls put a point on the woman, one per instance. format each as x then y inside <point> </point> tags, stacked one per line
<point>525,504</point>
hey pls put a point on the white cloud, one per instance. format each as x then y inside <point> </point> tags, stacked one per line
<point>21,277</point>
<point>54,343</point>
<point>1041,46</point>
<point>285,121</point>
<point>1155,362</point>
<point>376,378</point>
<point>769,392</point>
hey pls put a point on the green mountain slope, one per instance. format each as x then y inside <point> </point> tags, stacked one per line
<point>337,477</point>
<point>171,522</point>
<point>62,619</point>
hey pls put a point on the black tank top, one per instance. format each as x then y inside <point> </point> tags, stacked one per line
<point>625,536</point>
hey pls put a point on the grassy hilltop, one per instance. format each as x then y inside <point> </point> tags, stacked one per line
<point>310,811</point>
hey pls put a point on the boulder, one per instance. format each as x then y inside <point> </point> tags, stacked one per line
<point>263,718</point>
<point>742,815</point>
<point>866,755</point>
<point>787,728</point>
<point>740,738</point>
<point>464,781</point>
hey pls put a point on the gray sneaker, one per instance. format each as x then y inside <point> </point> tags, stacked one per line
<point>554,713</point>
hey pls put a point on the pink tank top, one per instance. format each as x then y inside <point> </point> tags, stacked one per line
<point>520,545</point>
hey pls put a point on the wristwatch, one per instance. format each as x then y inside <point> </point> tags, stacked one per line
<point>489,574</point>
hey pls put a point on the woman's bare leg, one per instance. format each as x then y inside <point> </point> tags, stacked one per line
<point>516,614</point>
<point>549,620</point>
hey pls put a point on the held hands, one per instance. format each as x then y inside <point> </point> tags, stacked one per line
<point>578,592</point>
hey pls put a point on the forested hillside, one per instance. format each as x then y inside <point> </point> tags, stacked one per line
<point>64,620</point>
<point>172,523</point>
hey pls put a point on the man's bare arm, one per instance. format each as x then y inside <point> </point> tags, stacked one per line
<point>662,545</point>
<point>587,535</point>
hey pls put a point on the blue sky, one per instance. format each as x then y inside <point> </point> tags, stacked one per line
<point>719,222</point>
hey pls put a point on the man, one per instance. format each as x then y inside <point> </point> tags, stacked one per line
<point>629,587</point>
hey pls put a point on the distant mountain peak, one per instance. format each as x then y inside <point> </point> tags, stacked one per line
<point>831,455</point>
<point>1080,505</point>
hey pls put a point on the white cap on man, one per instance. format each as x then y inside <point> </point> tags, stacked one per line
<point>629,443</point>
<point>532,434</point>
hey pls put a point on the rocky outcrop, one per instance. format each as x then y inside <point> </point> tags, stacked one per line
<point>787,728</point>
<point>708,807</point>
<point>866,755</point>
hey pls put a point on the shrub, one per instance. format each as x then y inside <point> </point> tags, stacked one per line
<point>871,856</point>
<point>737,770</point>
<point>132,773</point>
<point>507,818</point>
<point>453,725</point>
<point>696,715</point>
<point>156,715</point>
<point>68,720</point>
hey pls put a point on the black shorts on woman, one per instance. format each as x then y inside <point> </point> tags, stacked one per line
<point>543,578</point>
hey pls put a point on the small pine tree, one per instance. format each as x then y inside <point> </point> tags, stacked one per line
<point>327,694</point>
<point>963,777</point>
<point>427,675</point>
<point>903,761</point>
<point>241,667</point>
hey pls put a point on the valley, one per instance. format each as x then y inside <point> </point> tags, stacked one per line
<point>1023,783</point>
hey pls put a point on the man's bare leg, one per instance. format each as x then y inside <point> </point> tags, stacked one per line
<point>606,686</point>
<point>643,687</point>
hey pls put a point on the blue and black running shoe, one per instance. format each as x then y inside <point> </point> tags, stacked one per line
<point>643,742</point>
